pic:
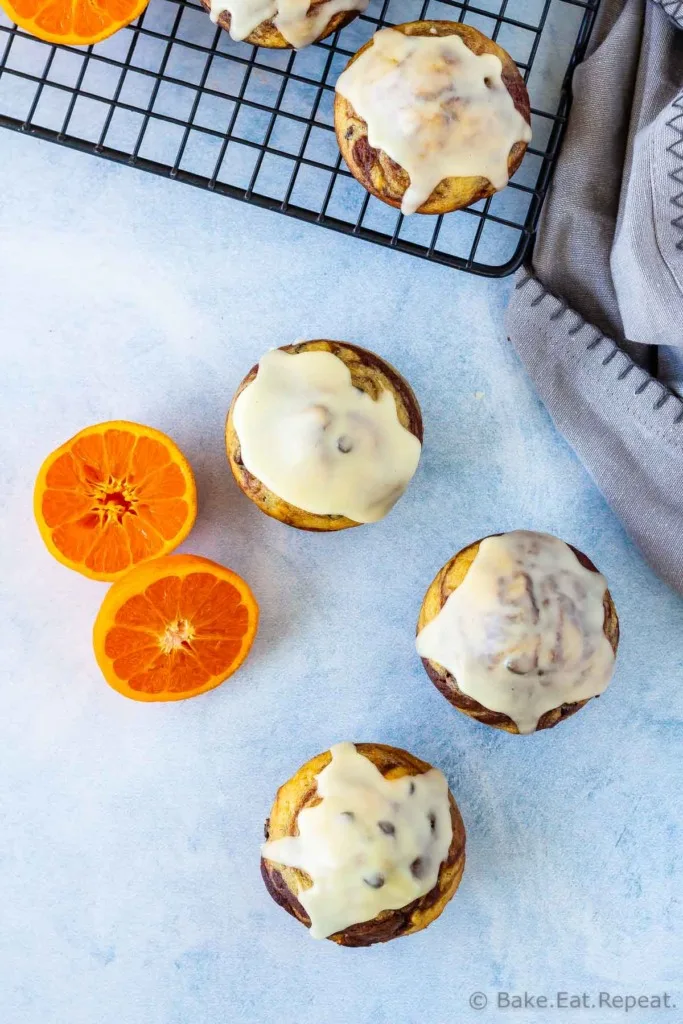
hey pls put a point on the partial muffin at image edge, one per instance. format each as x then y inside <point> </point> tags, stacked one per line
<point>266,34</point>
<point>447,581</point>
<point>286,884</point>
<point>370,374</point>
<point>386,179</point>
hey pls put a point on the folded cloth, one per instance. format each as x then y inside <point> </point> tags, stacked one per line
<point>674,9</point>
<point>598,319</point>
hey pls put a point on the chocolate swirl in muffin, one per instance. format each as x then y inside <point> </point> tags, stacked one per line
<point>281,24</point>
<point>348,428</point>
<point>519,631</point>
<point>432,116</point>
<point>378,848</point>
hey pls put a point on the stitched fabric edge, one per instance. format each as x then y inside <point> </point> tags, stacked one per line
<point>676,175</point>
<point>667,401</point>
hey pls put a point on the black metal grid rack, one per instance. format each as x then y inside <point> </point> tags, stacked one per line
<point>174,95</point>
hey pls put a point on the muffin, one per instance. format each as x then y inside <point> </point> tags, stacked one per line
<point>324,435</point>
<point>519,631</point>
<point>364,844</point>
<point>266,25</point>
<point>432,116</point>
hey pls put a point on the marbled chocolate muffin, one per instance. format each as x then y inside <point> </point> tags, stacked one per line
<point>396,110</point>
<point>318,21</point>
<point>328,425</point>
<point>535,622</point>
<point>392,833</point>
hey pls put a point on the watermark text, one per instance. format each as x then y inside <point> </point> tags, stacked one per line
<point>621,1002</point>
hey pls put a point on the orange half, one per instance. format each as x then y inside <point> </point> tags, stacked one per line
<point>114,495</point>
<point>73,22</point>
<point>173,628</point>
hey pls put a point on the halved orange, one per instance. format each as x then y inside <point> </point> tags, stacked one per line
<point>114,495</point>
<point>174,627</point>
<point>74,22</point>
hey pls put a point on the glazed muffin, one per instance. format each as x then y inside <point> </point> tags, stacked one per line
<point>519,631</point>
<point>364,844</point>
<point>299,25</point>
<point>324,435</point>
<point>432,116</point>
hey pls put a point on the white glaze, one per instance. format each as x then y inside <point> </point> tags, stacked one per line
<point>293,18</point>
<point>524,631</point>
<point>371,844</point>
<point>437,109</point>
<point>294,423</point>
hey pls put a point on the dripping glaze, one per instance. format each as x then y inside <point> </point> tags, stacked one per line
<point>320,443</point>
<point>298,21</point>
<point>371,844</point>
<point>435,108</point>
<point>524,632</point>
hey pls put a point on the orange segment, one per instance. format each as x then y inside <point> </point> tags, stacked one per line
<point>114,495</point>
<point>174,627</point>
<point>73,22</point>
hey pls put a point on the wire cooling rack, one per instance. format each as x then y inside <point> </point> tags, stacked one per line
<point>174,95</point>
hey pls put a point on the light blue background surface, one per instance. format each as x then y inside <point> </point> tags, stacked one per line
<point>129,834</point>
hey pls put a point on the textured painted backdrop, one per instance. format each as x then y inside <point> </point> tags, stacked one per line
<point>129,877</point>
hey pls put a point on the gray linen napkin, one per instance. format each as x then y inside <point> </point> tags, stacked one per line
<point>598,319</point>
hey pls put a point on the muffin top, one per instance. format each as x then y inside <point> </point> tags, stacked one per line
<point>299,22</point>
<point>370,844</point>
<point>524,632</point>
<point>435,107</point>
<point>320,443</point>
